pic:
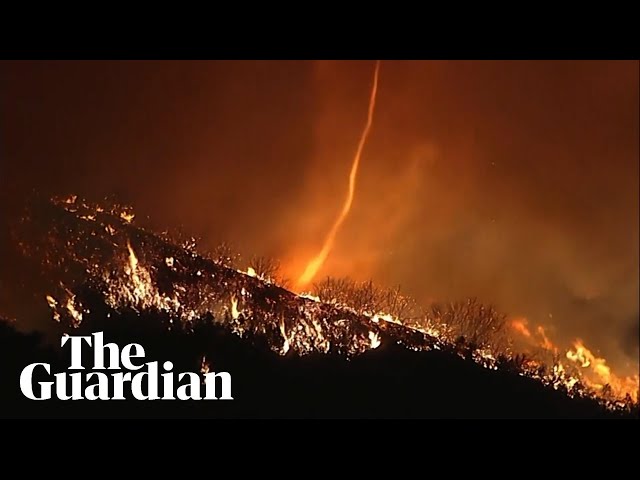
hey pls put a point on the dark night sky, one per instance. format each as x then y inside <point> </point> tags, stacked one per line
<point>513,181</point>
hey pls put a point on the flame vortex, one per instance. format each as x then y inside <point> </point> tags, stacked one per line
<point>316,262</point>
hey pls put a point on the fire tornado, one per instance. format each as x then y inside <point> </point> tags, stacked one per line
<point>316,262</point>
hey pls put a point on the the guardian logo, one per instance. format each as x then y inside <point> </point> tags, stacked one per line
<point>145,383</point>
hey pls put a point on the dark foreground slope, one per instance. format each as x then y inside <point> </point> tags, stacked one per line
<point>389,382</point>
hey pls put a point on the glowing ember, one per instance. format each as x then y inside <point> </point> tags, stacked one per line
<point>127,216</point>
<point>593,371</point>
<point>53,304</point>
<point>204,365</point>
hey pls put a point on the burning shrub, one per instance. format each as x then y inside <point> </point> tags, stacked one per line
<point>401,306</point>
<point>366,297</point>
<point>480,325</point>
<point>268,269</point>
<point>333,290</point>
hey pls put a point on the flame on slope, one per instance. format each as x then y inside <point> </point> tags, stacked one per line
<point>75,311</point>
<point>520,326</point>
<point>69,307</point>
<point>286,346</point>
<point>53,304</point>
<point>204,365</point>
<point>540,339</point>
<point>308,296</point>
<point>127,216</point>
<point>598,373</point>
<point>375,339</point>
<point>546,343</point>
<point>234,308</point>
<point>592,371</point>
<point>142,285</point>
<point>136,289</point>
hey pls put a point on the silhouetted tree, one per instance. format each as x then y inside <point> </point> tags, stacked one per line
<point>480,324</point>
<point>268,269</point>
<point>366,297</point>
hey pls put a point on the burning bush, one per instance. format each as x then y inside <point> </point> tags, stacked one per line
<point>268,269</point>
<point>478,324</point>
<point>365,297</point>
<point>471,322</point>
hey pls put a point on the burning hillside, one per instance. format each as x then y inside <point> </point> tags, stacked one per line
<point>95,255</point>
<point>90,248</point>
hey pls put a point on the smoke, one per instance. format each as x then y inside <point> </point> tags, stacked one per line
<point>513,182</point>
<point>516,182</point>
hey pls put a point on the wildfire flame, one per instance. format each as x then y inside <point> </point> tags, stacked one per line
<point>73,308</point>
<point>593,371</point>
<point>127,216</point>
<point>196,288</point>
<point>375,340</point>
<point>599,373</point>
<point>235,314</point>
<point>204,365</point>
<point>53,304</point>
<point>316,262</point>
<point>546,343</point>
<point>520,326</point>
